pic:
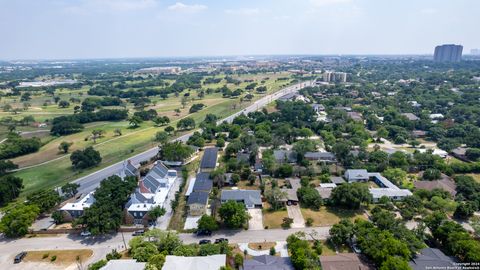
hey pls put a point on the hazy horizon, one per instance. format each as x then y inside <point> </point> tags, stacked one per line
<point>113,29</point>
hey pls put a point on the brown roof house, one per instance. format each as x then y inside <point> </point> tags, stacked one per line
<point>343,261</point>
<point>446,183</point>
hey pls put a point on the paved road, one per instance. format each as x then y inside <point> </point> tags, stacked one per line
<point>90,182</point>
<point>102,246</point>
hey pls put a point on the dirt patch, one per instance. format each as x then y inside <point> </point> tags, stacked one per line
<point>262,245</point>
<point>57,257</point>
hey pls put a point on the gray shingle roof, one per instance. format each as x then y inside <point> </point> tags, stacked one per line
<point>267,262</point>
<point>320,155</point>
<point>203,182</point>
<point>209,159</point>
<point>431,258</point>
<point>282,155</point>
<point>200,197</point>
<point>248,197</point>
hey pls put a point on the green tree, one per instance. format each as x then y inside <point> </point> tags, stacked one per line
<point>10,187</point>
<point>161,137</point>
<point>144,252</point>
<point>134,121</point>
<point>70,189</point>
<point>186,123</point>
<point>351,195</point>
<point>65,146</point>
<point>57,217</point>
<point>82,159</point>
<point>395,175</point>
<point>44,199</point>
<point>156,212</point>
<point>6,165</point>
<point>233,214</point>
<point>207,223</point>
<point>395,263</point>
<point>341,232</point>
<point>157,261</point>
<point>17,220</point>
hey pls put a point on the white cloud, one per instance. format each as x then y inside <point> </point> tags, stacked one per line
<point>243,11</point>
<point>429,11</point>
<point>322,3</point>
<point>181,7</point>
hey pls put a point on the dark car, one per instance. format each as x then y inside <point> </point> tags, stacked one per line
<point>204,241</point>
<point>138,233</point>
<point>20,257</point>
<point>221,240</point>
<point>204,232</point>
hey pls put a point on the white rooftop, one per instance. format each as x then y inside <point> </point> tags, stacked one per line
<point>81,204</point>
<point>213,262</point>
<point>124,265</point>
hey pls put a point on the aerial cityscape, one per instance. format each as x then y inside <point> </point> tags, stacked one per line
<point>250,135</point>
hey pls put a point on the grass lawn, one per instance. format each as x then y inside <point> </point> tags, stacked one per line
<point>57,171</point>
<point>475,176</point>
<point>63,257</point>
<point>273,219</point>
<point>329,216</point>
<point>329,250</point>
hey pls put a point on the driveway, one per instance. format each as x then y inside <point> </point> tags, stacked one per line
<point>256,219</point>
<point>295,214</point>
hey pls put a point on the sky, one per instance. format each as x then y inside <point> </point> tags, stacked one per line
<point>75,29</point>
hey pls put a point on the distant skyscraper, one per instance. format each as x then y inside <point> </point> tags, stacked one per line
<point>330,76</point>
<point>448,53</point>
<point>475,51</point>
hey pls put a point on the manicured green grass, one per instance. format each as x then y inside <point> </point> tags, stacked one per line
<point>328,216</point>
<point>114,149</point>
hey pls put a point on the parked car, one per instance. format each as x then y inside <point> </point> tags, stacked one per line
<point>19,257</point>
<point>221,240</point>
<point>204,232</point>
<point>85,233</point>
<point>138,233</point>
<point>204,241</point>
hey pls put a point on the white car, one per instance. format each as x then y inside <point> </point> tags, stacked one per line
<point>85,233</point>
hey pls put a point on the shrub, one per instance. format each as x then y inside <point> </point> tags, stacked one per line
<point>309,222</point>
<point>45,255</point>
<point>54,258</point>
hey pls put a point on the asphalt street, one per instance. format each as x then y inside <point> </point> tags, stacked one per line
<point>92,181</point>
<point>103,245</point>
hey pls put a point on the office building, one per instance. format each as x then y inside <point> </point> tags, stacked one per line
<point>448,53</point>
<point>330,76</point>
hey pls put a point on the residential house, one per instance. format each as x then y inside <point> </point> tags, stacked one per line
<point>387,189</point>
<point>355,116</point>
<point>438,152</point>
<point>209,159</point>
<point>344,261</point>
<point>129,170</point>
<point>197,203</point>
<point>446,183</point>
<point>71,211</point>
<point>267,262</point>
<point>337,180</point>
<point>212,262</point>
<point>291,197</point>
<point>318,107</point>
<point>432,258</point>
<point>203,182</point>
<point>152,191</point>
<point>356,175</point>
<point>250,198</point>
<point>285,156</point>
<point>124,265</point>
<point>325,192</point>
<point>419,133</point>
<point>411,116</point>
<point>326,157</point>
<point>460,153</point>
